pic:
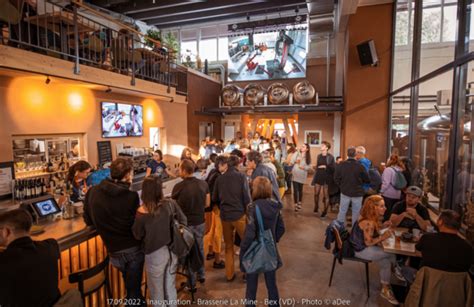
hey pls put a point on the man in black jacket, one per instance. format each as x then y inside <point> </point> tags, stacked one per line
<point>231,193</point>
<point>111,207</point>
<point>192,195</point>
<point>28,269</point>
<point>351,176</point>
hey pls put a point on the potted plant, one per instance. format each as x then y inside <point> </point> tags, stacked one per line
<point>171,42</point>
<point>153,34</point>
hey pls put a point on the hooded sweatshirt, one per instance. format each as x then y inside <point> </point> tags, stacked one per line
<point>111,207</point>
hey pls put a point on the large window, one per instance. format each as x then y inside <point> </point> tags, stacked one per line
<point>188,51</point>
<point>208,49</point>
<point>223,48</point>
<point>437,137</point>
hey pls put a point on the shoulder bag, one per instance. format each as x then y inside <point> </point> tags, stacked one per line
<point>262,254</point>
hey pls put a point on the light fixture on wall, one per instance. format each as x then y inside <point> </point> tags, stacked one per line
<point>108,90</point>
<point>48,80</point>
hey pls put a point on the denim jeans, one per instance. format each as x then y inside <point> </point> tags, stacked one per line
<point>198,231</point>
<point>130,263</point>
<point>270,281</point>
<point>344,206</point>
<point>383,259</point>
<point>161,276</point>
<point>297,192</point>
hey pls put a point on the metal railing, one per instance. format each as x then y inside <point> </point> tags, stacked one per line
<point>79,34</point>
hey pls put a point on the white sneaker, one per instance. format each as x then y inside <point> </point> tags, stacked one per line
<point>397,271</point>
<point>387,294</point>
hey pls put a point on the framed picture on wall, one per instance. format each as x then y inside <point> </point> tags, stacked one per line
<point>313,137</point>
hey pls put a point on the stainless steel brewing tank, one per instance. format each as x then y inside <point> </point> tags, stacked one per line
<point>303,92</point>
<point>230,95</point>
<point>254,94</point>
<point>278,93</point>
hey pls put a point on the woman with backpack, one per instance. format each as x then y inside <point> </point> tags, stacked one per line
<point>153,227</point>
<point>393,182</point>
<point>270,213</point>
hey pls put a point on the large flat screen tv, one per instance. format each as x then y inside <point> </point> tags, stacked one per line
<point>121,120</point>
<point>268,55</point>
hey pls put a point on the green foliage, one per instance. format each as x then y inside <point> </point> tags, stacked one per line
<point>153,34</point>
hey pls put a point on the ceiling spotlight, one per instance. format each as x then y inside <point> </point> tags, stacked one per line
<point>48,80</point>
<point>108,90</point>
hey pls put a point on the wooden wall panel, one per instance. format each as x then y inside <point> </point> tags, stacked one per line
<point>202,92</point>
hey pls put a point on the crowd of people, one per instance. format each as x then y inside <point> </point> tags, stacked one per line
<point>218,199</point>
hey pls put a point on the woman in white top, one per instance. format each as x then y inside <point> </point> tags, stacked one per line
<point>255,142</point>
<point>301,164</point>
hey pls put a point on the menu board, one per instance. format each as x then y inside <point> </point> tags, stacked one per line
<point>6,178</point>
<point>105,152</point>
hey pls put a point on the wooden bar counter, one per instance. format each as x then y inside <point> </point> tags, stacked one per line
<point>81,248</point>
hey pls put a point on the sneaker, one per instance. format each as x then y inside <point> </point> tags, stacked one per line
<point>218,265</point>
<point>297,208</point>
<point>397,271</point>
<point>202,280</point>
<point>210,256</point>
<point>323,215</point>
<point>387,294</point>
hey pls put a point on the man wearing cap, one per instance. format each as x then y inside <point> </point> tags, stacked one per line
<point>409,213</point>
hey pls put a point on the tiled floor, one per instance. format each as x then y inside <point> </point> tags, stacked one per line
<point>303,279</point>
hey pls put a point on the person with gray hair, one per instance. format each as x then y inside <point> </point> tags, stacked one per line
<point>350,176</point>
<point>360,156</point>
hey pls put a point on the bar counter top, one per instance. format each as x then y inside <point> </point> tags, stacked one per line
<point>71,232</point>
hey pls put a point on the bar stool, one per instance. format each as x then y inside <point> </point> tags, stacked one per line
<point>88,281</point>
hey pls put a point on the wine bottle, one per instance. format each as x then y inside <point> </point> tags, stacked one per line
<point>38,187</point>
<point>27,190</point>
<point>43,187</point>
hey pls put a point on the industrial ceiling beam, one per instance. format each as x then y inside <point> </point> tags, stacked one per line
<point>137,6</point>
<point>200,17</point>
<point>208,6</point>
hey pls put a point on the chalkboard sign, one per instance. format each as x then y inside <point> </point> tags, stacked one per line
<point>105,152</point>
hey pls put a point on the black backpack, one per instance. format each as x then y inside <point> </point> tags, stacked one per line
<point>375,179</point>
<point>182,237</point>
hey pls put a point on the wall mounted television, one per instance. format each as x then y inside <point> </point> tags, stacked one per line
<point>121,119</point>
<point>268,55</point>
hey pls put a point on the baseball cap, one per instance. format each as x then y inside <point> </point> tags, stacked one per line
<point>414,190</point>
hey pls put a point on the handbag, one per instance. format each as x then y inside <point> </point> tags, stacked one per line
<point>262,254</point>
<point>182,237</point>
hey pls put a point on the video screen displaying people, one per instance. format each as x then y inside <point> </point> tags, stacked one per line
<point>269,55</point>
<point>120,120</point>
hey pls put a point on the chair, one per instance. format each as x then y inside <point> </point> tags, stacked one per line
<point>88,281</point>
<point>339,255</point>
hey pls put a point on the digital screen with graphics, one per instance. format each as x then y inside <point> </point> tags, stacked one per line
<point>46,207</point>
<point>266,56</point>
<point>121,120</point>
